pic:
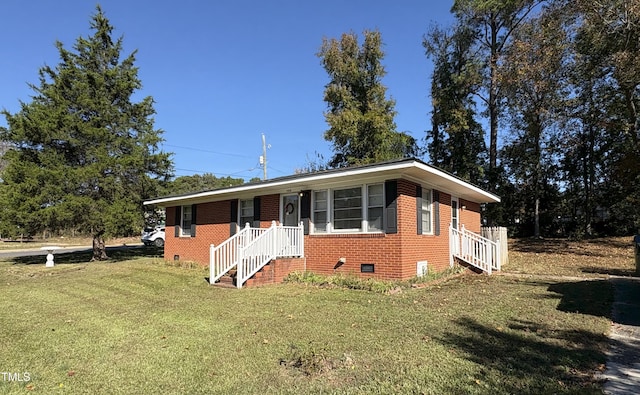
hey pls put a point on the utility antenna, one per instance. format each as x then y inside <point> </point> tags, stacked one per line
<point>263,158</point>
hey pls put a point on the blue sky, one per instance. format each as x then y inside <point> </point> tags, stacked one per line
<point>223,72</point>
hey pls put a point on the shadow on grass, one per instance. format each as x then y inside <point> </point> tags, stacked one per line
<point>593,297</point>
<point>609,271</point>
<point>538,357</point>
<point>116,254</point>
<point>530,357</point>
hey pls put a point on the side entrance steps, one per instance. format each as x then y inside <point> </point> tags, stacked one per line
<point>474,250</point>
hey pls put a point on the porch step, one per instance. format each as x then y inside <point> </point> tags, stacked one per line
<point>226,281</point>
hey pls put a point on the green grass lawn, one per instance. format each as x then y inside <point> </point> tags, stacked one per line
<point>561,257</point>
<point>141,326</point>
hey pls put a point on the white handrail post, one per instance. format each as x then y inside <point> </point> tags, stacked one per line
<point>451,245</point>
<point>300,237</point>
<point>487,258</point>
<point>211,263</point>
<point>247,236</point>
<point>239,268</point>
<point>274,242</point>
<point>498,255</point>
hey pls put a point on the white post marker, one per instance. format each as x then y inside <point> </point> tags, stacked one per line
<point>50,250</point>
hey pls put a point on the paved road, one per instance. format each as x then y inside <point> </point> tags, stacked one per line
<point>623,360</point>
<point>64,250</point>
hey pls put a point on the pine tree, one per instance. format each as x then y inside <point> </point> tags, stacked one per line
<point>534,83</point>
<point>360,117</point>
<point>84,155</point>
<point>456,139</point>
<point>494,21</point>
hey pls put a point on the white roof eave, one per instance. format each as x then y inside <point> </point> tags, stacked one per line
<point>412,169</point>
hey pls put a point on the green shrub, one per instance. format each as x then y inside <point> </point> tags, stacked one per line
<point>350,281</point>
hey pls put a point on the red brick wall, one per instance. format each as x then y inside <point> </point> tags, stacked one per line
<point>470,215</point>
<point>275,271</point>
<point>323,253</point>
<point>269,210</point>
<point>430,247</point>
<point>395,256</point>
<point>212,227</point>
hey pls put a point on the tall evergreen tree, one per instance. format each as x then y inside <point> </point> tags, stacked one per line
<point>534,81</point>
<point>456,139</point>
<point>84,154</point>
<point>609,38</point>
<point>360,117</point>
<point>585,142</point>
<point>494,23</point>
<point>4,147</point>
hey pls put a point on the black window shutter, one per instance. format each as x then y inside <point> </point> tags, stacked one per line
<point>305,210</point>
<point>178,219</point>
<point>256,212</point>
<point>194,218</point>
<point>390,218</point>
<point>233,218</point>
<point>436,212</point>
<point>419,207</point>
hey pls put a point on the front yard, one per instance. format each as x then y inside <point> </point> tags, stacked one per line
<point>142,326</point>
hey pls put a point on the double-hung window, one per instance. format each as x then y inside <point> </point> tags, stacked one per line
<point>375,204</point>
<point>320,213</point>
<point>246,212</point>
<point>425,211</point>
<point>347,209</point>
<point>185,221</point>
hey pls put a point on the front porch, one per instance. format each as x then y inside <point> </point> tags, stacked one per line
<point>256,256</point>
<point>250,250</point>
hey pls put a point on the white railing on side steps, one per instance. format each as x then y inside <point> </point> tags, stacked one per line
<point>474,249</point>
<point>252,248</point>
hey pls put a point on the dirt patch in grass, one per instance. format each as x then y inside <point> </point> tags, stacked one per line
<point>564,257</point>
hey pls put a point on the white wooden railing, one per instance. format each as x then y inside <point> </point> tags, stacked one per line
<point>224,256</point>
<point>277,241</point>
<point>252,248</point>
<point>474,249</point>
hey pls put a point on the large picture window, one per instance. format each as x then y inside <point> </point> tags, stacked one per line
<point>347,209</point>
<point>353,209</point>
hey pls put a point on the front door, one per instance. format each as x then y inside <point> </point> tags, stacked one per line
<point>290,211</point>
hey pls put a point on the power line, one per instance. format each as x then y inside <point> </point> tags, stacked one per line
<point>216,173</point>
<point>207,151</point>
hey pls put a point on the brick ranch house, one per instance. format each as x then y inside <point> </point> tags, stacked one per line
<point>388,220</point>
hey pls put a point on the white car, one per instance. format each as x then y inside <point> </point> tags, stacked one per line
<point>153,236</point>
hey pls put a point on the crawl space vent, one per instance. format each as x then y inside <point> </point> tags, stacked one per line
<point>367,268</point>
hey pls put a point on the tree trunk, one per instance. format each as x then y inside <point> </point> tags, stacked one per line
<point>493,102</point>
<point>99,248</point>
